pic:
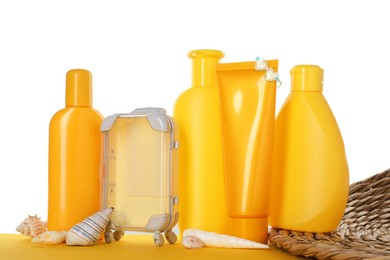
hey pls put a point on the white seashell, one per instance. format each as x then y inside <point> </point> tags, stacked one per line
<point>192,242</point>
<point>51,237</point>
<point>32,226</point>
<point>196,238</point>
<point>89,230</point>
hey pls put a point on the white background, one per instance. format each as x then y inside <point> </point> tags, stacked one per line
<point>137,53</point>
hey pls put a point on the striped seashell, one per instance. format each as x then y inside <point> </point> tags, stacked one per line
<point>89,230</point>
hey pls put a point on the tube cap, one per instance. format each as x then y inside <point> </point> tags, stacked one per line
<point>254,229</point>
<point>78,88</point>
<point>306,78</point>
<point>204,63</point>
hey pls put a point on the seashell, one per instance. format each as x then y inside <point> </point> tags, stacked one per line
<point>51,237</point>
<point>32,226</point>
<point>89,230</point>
<point>196,238</point>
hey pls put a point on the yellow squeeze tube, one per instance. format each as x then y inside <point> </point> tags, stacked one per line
<point>247,103</point>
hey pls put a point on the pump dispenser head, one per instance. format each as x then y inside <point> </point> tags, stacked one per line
<point>204,63</point>
<point>78,88</point>
<point>306,78</point>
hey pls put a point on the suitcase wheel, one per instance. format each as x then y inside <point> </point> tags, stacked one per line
<point>108,236</point>
<point>171,237</point>
<point>158,239</point>
<point>118,235</point>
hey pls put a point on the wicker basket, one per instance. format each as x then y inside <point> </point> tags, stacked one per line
<point>364,232</point>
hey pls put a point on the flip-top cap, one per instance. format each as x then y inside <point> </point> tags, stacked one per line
<point>306,78</point>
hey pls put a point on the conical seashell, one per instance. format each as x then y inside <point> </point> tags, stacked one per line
<point>51,237</point>
<point>196,238</point>
<point>32,226</point>
<point>88,232</point>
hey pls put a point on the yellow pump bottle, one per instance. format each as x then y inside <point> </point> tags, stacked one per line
<point>74,155</point>
<point>310,171</point>
<point>201,179</point>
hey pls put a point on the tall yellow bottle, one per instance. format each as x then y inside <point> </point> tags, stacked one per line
<point>201,179</point>
<point>310,171</point>
<point>74,155</point>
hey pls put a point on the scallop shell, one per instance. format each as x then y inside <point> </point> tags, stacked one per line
<point>51,237</point>
<point>32,226</point>
<point>89,230</point>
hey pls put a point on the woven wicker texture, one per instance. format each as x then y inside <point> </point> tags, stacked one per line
<point>364,232</point>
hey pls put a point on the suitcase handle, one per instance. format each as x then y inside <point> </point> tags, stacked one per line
<point>148,110</point>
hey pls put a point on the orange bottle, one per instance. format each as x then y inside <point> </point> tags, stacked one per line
<point>74,155</point>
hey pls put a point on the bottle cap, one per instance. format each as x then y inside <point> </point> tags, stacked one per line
<point>78,88</point>
<point>254,229</point>
<point>306,78</point>
<point>204,63</point>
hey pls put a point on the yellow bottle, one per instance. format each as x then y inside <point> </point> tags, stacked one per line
<point>201,180</point>
<point>74,155</point>
<point>310,171</point>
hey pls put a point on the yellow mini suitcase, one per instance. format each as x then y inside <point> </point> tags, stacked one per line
<point>139,174</point>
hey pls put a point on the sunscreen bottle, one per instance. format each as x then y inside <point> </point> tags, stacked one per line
<point>201,179</point>
<point>74,155</point>
<point>247,100</point>
<point>310,171</point>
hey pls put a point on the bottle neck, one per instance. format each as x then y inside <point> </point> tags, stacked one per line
<point>204,63</point>
<point>78,88</point>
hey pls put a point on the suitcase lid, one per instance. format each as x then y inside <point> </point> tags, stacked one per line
<point>157,117</point>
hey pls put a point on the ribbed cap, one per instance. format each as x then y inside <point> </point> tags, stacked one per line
<point>306,78</point>
<point>78,88</point>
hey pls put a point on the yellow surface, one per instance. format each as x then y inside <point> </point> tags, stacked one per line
<point>247,115</point>
<point>201,182</point>
<point>310,185</point>
<point>19,247</point>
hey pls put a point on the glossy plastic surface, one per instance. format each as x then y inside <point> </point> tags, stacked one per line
<point>311,180</point>
<point>248,115</point>
<point>201,181</point>
<point>74,157</point>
